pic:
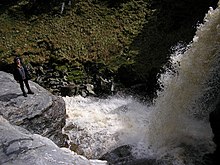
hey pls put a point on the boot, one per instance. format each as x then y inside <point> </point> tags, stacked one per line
<point>25,94</point>
<point>30,92</point>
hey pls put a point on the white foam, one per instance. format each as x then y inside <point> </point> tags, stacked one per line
<point>111,122</point>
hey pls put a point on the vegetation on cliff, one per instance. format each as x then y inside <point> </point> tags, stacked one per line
<point>129,39</point>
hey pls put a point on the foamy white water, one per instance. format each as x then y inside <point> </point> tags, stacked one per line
<point>168,129</point>
<point>105,124</point>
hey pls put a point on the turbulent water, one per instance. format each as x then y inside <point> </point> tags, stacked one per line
<point>175,127</point>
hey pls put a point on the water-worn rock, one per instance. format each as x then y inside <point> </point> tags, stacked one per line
<point>41,113</point>
<point>72,90</point>
<point>18,146</point>
<point>123,156</point>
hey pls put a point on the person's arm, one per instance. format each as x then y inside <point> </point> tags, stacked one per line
<point>15,74</point>
<point>26,72</point>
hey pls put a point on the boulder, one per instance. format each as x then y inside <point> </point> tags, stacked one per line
<point>69,90</point>
<point>19,147</point>
<point>41,113</point>
<point>123,155</point>
<point>72,90</point>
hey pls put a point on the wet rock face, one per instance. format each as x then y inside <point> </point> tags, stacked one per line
<point>215,124</point>
<point>41,113</point>
<point>123,156</point>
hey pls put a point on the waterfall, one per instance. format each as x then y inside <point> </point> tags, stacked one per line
<point>175,128</point>
<point>184,90</point>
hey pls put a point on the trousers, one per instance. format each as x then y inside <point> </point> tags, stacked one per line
<point>22,82</point>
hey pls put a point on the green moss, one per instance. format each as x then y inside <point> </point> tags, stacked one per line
<point>87,31</point>
<point>76,76</point>
<point>62,68</point>
<point>128,32</point>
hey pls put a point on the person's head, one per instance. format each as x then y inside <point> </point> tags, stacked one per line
<point>17,60</point>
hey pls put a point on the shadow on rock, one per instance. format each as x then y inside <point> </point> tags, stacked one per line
<point>9,96</point>
<point>123,156</point>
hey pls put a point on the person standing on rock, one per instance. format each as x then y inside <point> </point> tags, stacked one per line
<point>21,76</point>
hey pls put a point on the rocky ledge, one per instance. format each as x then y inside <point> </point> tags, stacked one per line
<point>30,127</point>
<point>41,113</point>
<point>19,147</point>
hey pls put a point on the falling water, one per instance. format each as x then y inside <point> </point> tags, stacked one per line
<point>184,88</point>
<point>175,128</point>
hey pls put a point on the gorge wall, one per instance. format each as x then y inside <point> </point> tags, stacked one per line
<point>127,41</point>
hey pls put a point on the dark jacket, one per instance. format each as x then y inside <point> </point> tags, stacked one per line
<point>17,75</point>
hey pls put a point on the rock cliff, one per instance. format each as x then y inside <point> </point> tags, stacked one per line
<point>41,113</point>
<point>25,120</point>
<point>20,147</point>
